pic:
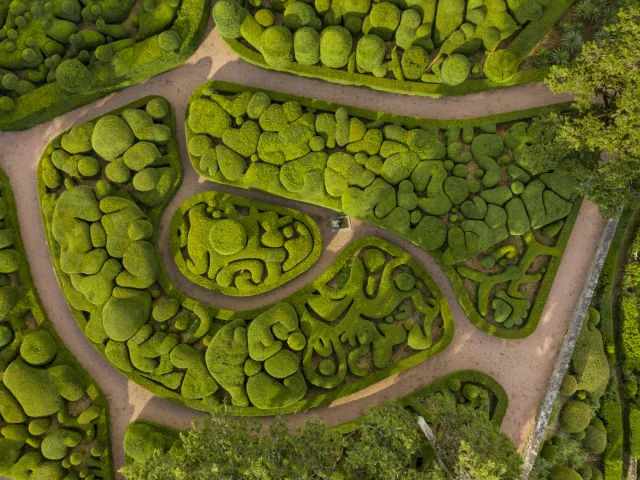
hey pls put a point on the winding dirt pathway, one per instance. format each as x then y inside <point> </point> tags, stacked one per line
<point>521,366</point>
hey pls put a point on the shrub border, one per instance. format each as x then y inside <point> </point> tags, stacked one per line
<point>521,46</point>
<point>211,284</point>
<point>412,122</point>
<point>173,155</point>
<point>50,100</point>
<point>32,301</point>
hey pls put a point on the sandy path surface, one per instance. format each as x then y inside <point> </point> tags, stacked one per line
<point>521,366</point>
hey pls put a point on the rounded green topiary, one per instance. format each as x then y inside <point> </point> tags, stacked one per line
<point>306,46</point>
<point>373,259</point>
<point>564,473</point>
<point>73,76</point>
<point>228,15</point>
<point>227,237</point>
<point>575,416</point>
<point>455,70</point>
<point>265,17</point>
<point>595,440</point>
<point>282,365</point>
<point>38,348</point>
<point>327,367</point>
<point>277,46</point>
<point>298,15</point>
<point>569,385</point>
<point>370,52</point>
<point>169,41</point>
<point>501,66</point>
<point>6,335</point>
<point>111,137</point>
<point>335,46</point>
<point>415,61</point>
<point>405,281</point>
<point>7,104</point>
<point>158,108</point>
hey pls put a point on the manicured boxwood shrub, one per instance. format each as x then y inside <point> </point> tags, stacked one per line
<point>348,45</point>
<point>217,246</point>
<point>368,316</point>
<point>402,174</point>
<point>575,416</point>
<point>57,56</point>
<point>54,420</point>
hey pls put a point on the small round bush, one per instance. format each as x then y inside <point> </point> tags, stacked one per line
<point>73,76</point>
<point>569,385</point>
<point>335,46</point>
<point>228,15</point>
<point>327,367</point>
<point>169,41</point>
<point>265,17</point>
<point>501,66</point>
<point>385,19</point>
<point>298,15</point>
<point>455,70</point>
<point>227,237</point>
<point>306,46</point>
<point>7,104</point>
<point>549,452</point>
<point>38,348</point>
<point>415,61</point>
<point>370,52</point>
<point>277,46</point>
<point>297,341</point>
<point>158,108</point>
<point>575,416</point>
<point>405,282</point>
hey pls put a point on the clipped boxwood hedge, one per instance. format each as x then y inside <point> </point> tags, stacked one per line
<point>57,56</point>
<point>457,189</point>
<point>477,390</point>
<point>412,47</point>
<point>241,247</point>
<point>54,420</point>
<point>373,313</point>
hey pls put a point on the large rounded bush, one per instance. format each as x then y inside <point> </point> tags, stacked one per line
<point>277,46</point>
<point>306,46</point>
<point>228,15</point>
<point>569,385</point>
<point>370,52</point>
<point>415,61</point>
<point>38,348</point>
<point>595,440</point>
<point>73,76</point>
<point>335,46</point>
<point>455,70</point>
<point>501,66</point>
<point>111,137</point>
<point>575,416</point>
<point>298,15</point>
<point>563,473</point>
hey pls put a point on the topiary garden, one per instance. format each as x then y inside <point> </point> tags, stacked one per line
<point>103,186</point>
<point>241,247</point>
<point>57,55</point>
<point>425,47</point>
<point>54,421</point>
<point>458,190</point>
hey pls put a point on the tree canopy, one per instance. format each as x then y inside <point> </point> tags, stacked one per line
<point>387,444</point>
<point>598,141</point>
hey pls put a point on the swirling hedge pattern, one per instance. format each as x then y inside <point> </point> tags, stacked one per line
<point>54,420</point>
<point>58,55</point>
<point>375,312</point>
<point>459,190</point>
<point>241,247</point>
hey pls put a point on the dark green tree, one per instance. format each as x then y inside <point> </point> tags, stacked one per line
<point>598,142</point>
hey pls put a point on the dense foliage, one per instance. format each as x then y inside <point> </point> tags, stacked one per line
<point>571,143</point>
<point>386,444</point>
<point>53,417</point>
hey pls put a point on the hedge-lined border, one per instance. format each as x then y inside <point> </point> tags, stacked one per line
<point>50,100</point>
<point>37,309</point>
<point>211,284</point>
<point>154,217</point>
<point>412,122</point>
<point>474,376</point>
<point>521,46</point>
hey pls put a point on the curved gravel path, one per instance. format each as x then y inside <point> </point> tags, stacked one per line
<point>521,366</point>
